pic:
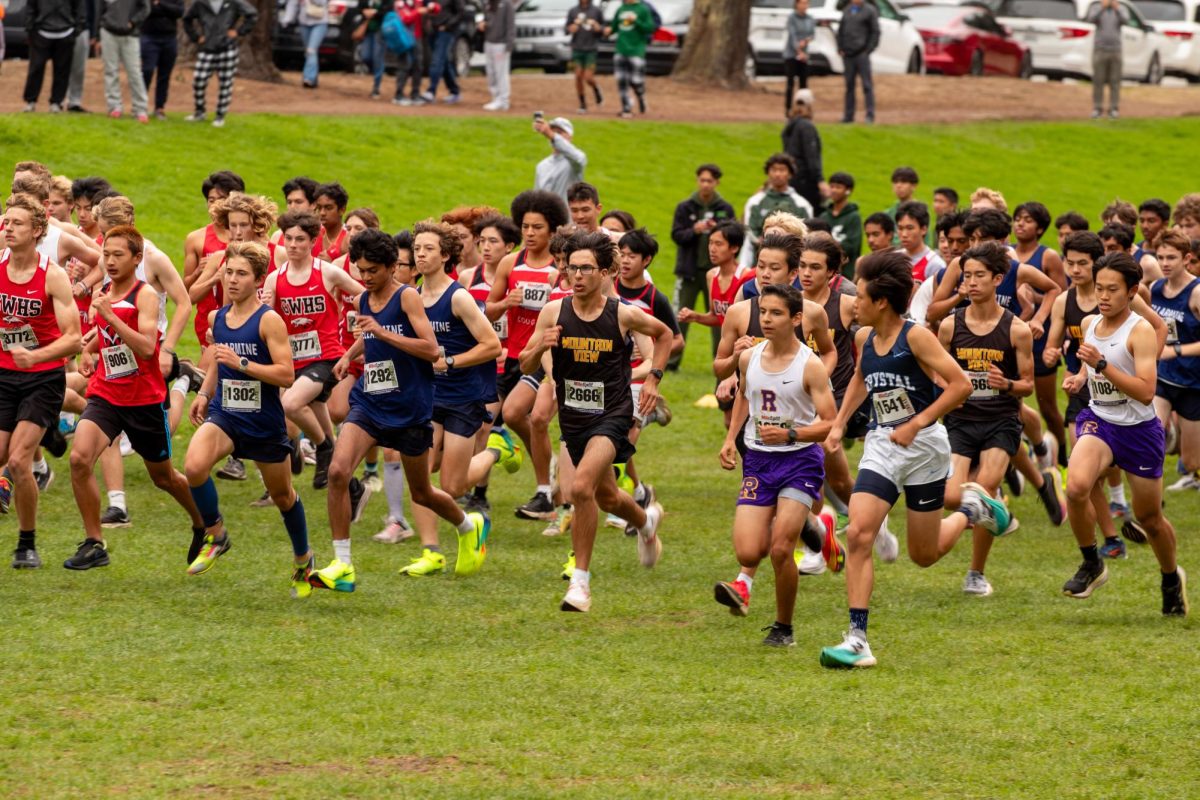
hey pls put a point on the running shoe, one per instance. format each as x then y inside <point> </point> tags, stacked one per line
<point>114,517</point>
<point>624,482</point>
<point>1186,483</point>
<point>67,424</point>
<point>309,451</point>
<point>577,598</point>
<point>778,636</point>
<point>430,563</point>
<point>853,652</point>
<point>372,481</point>
<point>44,479</point>
<point>480,505</point>
<point>1133,531</point>
<point>649,545</point>
<point>1088,578</point>
<point>510,451</point>
<point>539,507</point>
<point>831,549</point>
<point>89,554</point>
<point>472,546</point>
<point>662,412</point>
<point>321,473</point>
<point>887,546</point>
<point>561,523</point>
<point>264,500</point>
<point>209,553</point>
<point>1175,600</point>
<point>808,562</point>
<point>1014,480</point>
<point>55,442</point>
<point>394,532</point>
<point>126,446</point>
<point>26,558</point>
<point>338,576</point>
<point>1048,461</point>
<point>194,374</point>
<point>613,521</point>
<point>301,573</point>
<point>1113,548</point>
<point>735,595</point>
<point>983,509</point>
<point>360,495</point>
<point>976,584</point>
<point>297,457</point>
<point>1051,495</point>
<point>569,566</point>
<point>5,494</point>
<point>1118,510</point>
<point>234,470</point>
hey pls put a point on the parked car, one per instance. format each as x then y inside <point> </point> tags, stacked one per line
<point>901,48</point>
<point>1059,42</point>
<point>1142,46</point>
<point>967,40</point>
<point>1179,22</point>
<point>768,32</point>
<point>16,41</point>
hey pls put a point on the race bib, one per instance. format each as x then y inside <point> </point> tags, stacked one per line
<point>242,396</point>
<point>586,396</point>
<point>534,295</point>
<point>305,346</point>
<point>380,377</point>
<point>118,361</point>
<point>12,338</point>
<point>770,420</point>
<point>979,385</point>
<point>893,407</point>
<point>501,327</point>
<point>1172,330</point>
<point>1104,393</point>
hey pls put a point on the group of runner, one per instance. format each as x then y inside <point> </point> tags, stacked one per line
<point>437,345</point>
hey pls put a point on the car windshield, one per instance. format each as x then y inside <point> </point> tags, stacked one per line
<point>1041,9</point>
<point>933,16</point>
<point>1161,10</point>
<point>546,6</point>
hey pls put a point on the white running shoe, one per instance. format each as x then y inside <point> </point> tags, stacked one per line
<point>809,563</point>
<point>1187,482</point>
<point>577,598</point>
<point>852,652</point>
<point>976,584</point>
<point>126,446</point>
<point>613,521</point>
<point>887,546</point>
<point>1050,460</point>
<point>393,533</point>
<point>309,451</point>
<point>649,545</point>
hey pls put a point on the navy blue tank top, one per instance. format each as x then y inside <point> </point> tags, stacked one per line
<point>396,389</point>
<point>1182,327</point>
<point>251,405</point>
<point>1006,292</point>
<point>457,386</point>
<point>750,288</point>
<point>897,388</point>
<point>1035,260</point>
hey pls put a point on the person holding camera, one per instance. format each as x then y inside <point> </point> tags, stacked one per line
<point>565,165</point>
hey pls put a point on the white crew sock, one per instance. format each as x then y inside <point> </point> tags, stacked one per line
<point>1116,494</point>
<point>545,489</point>
<point>341,550</point>
<point>181,385</point>
<point>746,579</point>
<point>117,499</point>
<point>40,465</point>
<point>466,526</point>
<point>581,576</point>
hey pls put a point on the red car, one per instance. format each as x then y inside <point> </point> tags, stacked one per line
<point>967,39</point>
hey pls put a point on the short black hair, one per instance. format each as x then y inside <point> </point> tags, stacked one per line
<point>948,193</point>
<point>104,193</point>
<point>304,184</point>
<point>403,240</point>
<point>951,220</point>
<point>597,242</point>
<point>842,179</point>
<point>304,220</point>
<point>993,255</point>
<point>1157,207</point>
<point>905,174</point>
<point>733,233</point>
<point>1073,220</point>
<point>827,245</point>
<point>1123,263</point>
<point>792,247</point>
<point>581,192</point>
<point>886,223</point>
<point>1085,242</point>
<point>539,201</point>
<point>818,224</point>
<point>992,223</point>
<point>225,180</point>
<point>335,192</point>
<point>1038,212</point>
<point>915,209</point>
<point>624,217</point>
<point>1119,231</point>
<point>375,246</point>
<point>780,158</point>
<point>711,169</point>
<point>508,231</point>
<point>888,275</point>
<point>640,242</point>
<point>790,295</point>
<point>90,187</point>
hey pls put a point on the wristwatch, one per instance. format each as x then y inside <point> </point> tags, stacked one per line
<point>243,362</point>
<point>1101,364</point>
<point>449,362</point>
<point>1178,350</point>
<point>791,435</point>
<point>657,373</point>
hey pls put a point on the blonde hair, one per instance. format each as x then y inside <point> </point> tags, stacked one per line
<point>991,196</point>
<point>261,210</point>
<point>254,254</point>
<point>37,212</point>
<point>35,185</point>
<point>787,222</point>
<point>61,184</point>
<point>116,210</point>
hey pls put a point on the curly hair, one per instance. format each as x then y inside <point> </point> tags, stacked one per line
<point>31,205</point>
<point>254,254</point>
<point>990,196</point>
<point>451,245</point>
<point>261,210</point>
<point>538,201</point>
<point>786,221</point>
<point>468,216</point>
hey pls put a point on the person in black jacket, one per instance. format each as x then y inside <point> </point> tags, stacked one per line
<point>444,23</point>
<point>802,142</point>
<point>857,38</point>
<point>52,26</point>
<point>160,47</point>
<point>216,27</point>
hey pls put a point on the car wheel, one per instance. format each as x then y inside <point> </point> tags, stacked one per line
<point>1025,72</point>
<point>1154,74</point>
<point>915,67</point>
<point>462,56</point>
<point>977,63</point>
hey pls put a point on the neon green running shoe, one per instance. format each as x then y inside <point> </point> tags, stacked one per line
<point>624,482</point>
<point>338,576</point>
<point>209,553</point>
<point>430,563</point>
<point>301,588</point>
<point>569,566</point>
<point>472,546</point>
<point>510,451</point>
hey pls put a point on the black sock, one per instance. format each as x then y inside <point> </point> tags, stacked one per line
<point>481,492</point>
<point>785,628</point>
<point>1062,457</point>
<point>812,536</point>
<point>433,548</point>
<point>1090,554</point>
<point>25,540</point>
<point>858,619</point>
<point>1170,579</point>
<point>1040,448</point>
<point>582,100</point>
<point>1112,539</point>
<point>325,445</point>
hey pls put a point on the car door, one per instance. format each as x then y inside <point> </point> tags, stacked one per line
<point>1002,53</point>
<point>892,54</point>
<point>1135,45</point>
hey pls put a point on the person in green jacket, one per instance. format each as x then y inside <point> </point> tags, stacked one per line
<point>844,220</point>
<point>634,25</point>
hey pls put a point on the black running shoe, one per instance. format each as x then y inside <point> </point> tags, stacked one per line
<point>1051,498</point>
<point>478,504</point>
<point>1175,601</point>
<point>360,493</point>
<point>54,441</point>
<point>1087,579</point>
<point>321,473</point>
<point>778,637</point>
<point>1132,531</point>
<point>114,517</point>
<point>44,479</point>
<point>234,470</point>
<point>90,554</point>
<point>539,507</point>
<point>27,558</point>
<point>813,534</point>
<point>196,545</point>
<point>1014,481</point>
<point>263,501</point>
<point>297,457</point>
<point>194,375</point>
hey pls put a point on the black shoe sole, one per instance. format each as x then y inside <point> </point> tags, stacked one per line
<point>1181,609</point>
<point>1096,583</point>
<point>730,599</point>
<point>99,562</point>
<point>544,516</point>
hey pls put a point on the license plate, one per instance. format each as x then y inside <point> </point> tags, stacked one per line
<point>523,47</point>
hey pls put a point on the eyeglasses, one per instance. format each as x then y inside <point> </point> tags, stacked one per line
<point>405,264</point>
<point>584,270</point>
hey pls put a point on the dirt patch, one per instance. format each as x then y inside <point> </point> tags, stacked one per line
<point>900,98</point>
<point>380,764</point>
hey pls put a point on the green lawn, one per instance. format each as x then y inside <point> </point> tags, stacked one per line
<point>138,681</point>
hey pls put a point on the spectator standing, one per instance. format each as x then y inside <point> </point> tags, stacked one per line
<point>413,13</point>
<point>371,50</point>
<point>313,19</point>
<point>695,218</point>
<point>499,35</point>
<point>1108,17</point>
<point>83,50</point>
<point>119,27</point>
<point>444,23</point>
<point>634,25</point>
<point>776,195</point>
<point>801,28</point>
<point>557,171</point>
<point>857,38</point>
<point>52,26</point>
<point>585,23</point>
<point>845,221</point>
<point>217,28</point>
<point>3,8</point>
<point>802,142</point>
<point>160,48</point>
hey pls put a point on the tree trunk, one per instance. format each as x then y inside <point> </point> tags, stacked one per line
<point>258,54</point>
<point>717,44</point>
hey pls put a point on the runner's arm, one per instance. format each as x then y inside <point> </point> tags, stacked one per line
<point>737,417</point>
<point>1022,341</point>
<point>66,314</point>
<point>1034,277</point>
<point>497,301</point>
<point>207,278</point>
<point>531,356</point>
<point>726,361</point>
<point>817,321</point>
<point>946,296</point>
<point>1143,310</point>
<point>424,345</point>
<point>280,372</point>
<point>934,359</point>
<point>1058,330</point>
<point>162,272</point>
<point>339,280</point>
<point>73,247</point>
<point>193,248</point>
<point>1052,265</point>
<point>856,394</point>
<point>816,383</point>
<point>143,340</point>
<point>487,343</point>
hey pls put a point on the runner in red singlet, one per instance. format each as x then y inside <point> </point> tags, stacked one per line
<point>330,208</point>
<point>203,242</point>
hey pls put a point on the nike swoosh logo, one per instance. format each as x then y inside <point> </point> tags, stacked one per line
<point>31,291</point>
<point>1144,469</point>
<point>785,383</point>
<point>927,502</point>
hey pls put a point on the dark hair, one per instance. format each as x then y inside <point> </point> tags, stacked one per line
<point>448,242</point>
<point>951,220</point>
<point>559,239</point>
<point>916,210</point>
<point>1038,212</point>
<point>733,232</point>
<point>539,201</point>
<point>403,240</point>
<point>1123,210</point>
<point>624,217</point>
<point>640,242</point>
<point>375,246</point>
<point>335,192</point>
<point>367,215</point>
<point>304,184</point>
<point>905,174</point>
<point>582,192</point>
<point>1123,263</point>
<point>1085,242</point>
<point>842,179</point>
<point>948,193</point>
<point>1122,233</point>
<point>780,158</point>
<point>818,225</point>
<point>90,187</point>
<point>597,242</point>
<point>1073,220</point>
<point>993,255</point>
<point>789,294</point>
<point>886,223</point>
<point>824,243</point>
<point>991,223</point>
<point>1195,248</point>
<point>888,275</point>
<point>104,194</point>
<point>792,246</point>
<point>304,220</point>
<point>226,181</point>
<point>1157,207</point>
<point>711,169</point>
<point>503,225</point>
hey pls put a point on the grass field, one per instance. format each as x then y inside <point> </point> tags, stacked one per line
<point>138,681</point>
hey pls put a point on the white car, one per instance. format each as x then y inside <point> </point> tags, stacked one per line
<point>901,48</point>
<point>1142,47</point>
<point>1179,21</point>
<point>1061,44</point>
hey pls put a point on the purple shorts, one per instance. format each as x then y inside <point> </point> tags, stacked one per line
<point>1137,449</point>
<point>796,475</point>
